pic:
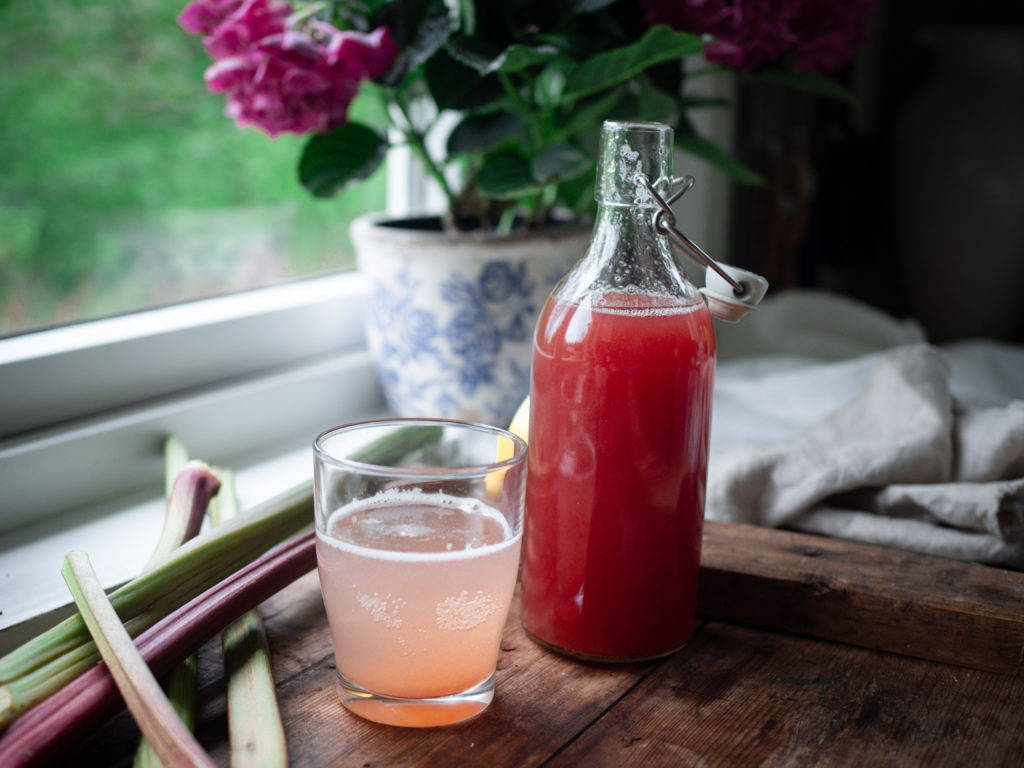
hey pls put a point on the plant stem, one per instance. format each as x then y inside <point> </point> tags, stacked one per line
<point>191,491</point>
<point>254,721</point>
<point>182,682</point>
<point>54,659</point>
<point>175,459</point>
<point>172,741</point>
<point>73,713</point>
<point>41,666</point>
<point>65,651</point>
<point>416,143</point>
<point>525,109</point>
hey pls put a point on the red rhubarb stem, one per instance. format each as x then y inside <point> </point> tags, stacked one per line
<point>191,490</point>
<point>60,722</point>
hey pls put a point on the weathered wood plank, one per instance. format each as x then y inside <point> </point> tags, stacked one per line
<point>743,696</point>
<point>542,700</point>
<point>928,607</point>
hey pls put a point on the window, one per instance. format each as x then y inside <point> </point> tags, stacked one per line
<point>126,195</point>
<point>125,187</point>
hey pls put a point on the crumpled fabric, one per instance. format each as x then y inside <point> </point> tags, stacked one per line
<point>912,446</point>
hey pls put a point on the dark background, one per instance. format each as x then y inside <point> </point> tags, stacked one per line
<point>913,200</point>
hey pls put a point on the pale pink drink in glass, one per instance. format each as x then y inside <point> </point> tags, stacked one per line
<point>417,588</point>
<point>417,575</point>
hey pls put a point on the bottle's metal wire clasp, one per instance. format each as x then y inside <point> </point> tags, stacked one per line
<point>665,224</point>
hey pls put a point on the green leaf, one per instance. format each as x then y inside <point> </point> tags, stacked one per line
<point>550,82</point>
<point>519,57</point>
<point>483,56</point>
<point>592,113</point>
<point>559,162</point>
<point>369,107</point>
<point>332,161</point>
<point>578,193</point>
<point>712,153</point>
<point>420,28</point>
<point>809,82</point>
<point>478,133</point>
<point>667,77</point>
<point>620,64</point>
<point>474,53</point>
<point>654,105</point>
<point>455,86</point>
<point>505,174</point>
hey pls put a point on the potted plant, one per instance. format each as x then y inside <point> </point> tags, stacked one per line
<point>453,297</point>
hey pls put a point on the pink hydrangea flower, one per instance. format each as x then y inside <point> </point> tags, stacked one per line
<point>201,17</point>
<point>279,79</point>
<point>820,35</point>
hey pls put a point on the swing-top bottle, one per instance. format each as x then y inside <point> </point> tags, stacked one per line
<point>623,361</point>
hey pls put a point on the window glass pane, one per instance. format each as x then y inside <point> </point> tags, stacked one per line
<point>123,185</point>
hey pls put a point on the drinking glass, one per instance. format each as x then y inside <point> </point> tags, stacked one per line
<point>418,523</point>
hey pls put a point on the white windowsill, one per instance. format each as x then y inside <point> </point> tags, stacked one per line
<point>94,482</point>
<point>34,594</point>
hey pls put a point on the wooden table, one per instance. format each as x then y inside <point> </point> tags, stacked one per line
<point>735,696</point>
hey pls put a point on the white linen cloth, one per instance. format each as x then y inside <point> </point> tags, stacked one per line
<point>833,418</point>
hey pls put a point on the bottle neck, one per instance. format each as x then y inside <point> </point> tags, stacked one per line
<point>627,256</point>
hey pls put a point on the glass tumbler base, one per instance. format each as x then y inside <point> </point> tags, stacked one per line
<point>416,713</point>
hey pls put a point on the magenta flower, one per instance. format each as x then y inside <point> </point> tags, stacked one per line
<point>820,35</point>
<point>201,17</point>
<point>278,79</point>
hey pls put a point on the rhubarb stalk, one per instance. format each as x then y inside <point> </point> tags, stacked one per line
<point>50,661</point>
<point>254,721</point>
<point>181,524</point>
<point>175,459</point>
<point>63,720</point>
<point>191,488</point>
<point>172,741</point>
<point>53,659</point>
<point>46,670</point>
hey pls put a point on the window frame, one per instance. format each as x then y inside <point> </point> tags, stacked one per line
<point>56,376</point>
<point>91,401</point>
<point>263,367</point>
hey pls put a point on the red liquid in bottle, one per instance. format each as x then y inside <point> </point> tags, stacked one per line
<point>620,411</point>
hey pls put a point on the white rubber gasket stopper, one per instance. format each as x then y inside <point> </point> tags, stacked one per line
<point>722,300</point>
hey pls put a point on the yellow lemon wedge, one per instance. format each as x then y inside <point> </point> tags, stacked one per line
<point>520,425</point>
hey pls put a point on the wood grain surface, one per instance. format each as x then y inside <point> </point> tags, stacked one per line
<point>929,607</point>
<point>741,696</point>
<point>734,696</point>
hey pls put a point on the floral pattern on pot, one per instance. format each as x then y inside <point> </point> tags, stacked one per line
<point>457,344</point>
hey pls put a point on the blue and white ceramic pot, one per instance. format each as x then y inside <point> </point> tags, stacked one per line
<point>450,315</point>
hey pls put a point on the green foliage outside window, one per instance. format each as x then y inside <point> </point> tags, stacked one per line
<point>123,186</point>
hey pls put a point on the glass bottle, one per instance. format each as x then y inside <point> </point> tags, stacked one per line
<point>623,361</point>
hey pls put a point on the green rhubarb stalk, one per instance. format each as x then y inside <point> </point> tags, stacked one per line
<point>43,665</point>
<point>194,485</point>
<point>182,681</point>
<point>175,459</point>
<point>254,721</point>
<point>181,685</point>
<point>173,742</point>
